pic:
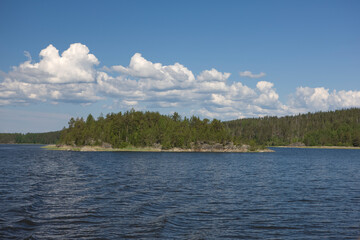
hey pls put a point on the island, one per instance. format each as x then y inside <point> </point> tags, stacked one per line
<point>151,131</point>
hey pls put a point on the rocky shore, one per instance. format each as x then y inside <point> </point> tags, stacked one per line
<point>203,147</point>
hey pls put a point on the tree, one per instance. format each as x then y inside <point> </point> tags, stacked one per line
<point>356,141</point>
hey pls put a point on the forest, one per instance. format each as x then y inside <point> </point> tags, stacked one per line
<point>334,128</point>
<point>143,129</point>
<point>33,138</point>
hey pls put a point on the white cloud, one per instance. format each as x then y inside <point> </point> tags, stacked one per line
<point>73,77</point>
<point>130,103</point>
<point>211,81</point>
<point>206,113</point>
<point>319,99</point>
<point>239,91</point>
<point>251,75</point>
<point>74,65</point>
<point>268,96</point>
<point>313,98</point>
<point>156,76</point>
<point>219,113</point>
<point>221,100</point>
<point>142,68</point>
<point>213,75</point>
<point>211,87</point>
<point>345,99</point>
<point>66,78</point>
<point>264,86</point>
<point>119,86</point>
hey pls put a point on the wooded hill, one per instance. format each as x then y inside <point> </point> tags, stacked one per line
<point>334,128</point>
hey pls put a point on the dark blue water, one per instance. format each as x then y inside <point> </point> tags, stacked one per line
<point>289,194</point>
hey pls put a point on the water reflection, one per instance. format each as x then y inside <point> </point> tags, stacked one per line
<point>306,193</point>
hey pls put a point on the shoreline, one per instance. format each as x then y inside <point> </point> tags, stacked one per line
<point>147,149</point>
<point>318,147</point>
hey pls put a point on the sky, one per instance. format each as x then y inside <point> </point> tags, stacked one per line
<point>214,59</point>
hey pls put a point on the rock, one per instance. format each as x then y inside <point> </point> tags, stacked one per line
<point>218,146</point>
<point>106,145</point>
<point>297,144</point>
<point>157,145</point>
<point>87,149</point>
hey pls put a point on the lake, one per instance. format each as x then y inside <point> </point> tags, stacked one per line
<point>288,194</point>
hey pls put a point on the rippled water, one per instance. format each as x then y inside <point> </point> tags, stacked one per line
<point>289,194</point>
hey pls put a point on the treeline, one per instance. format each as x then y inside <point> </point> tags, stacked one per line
<point>334,128</point>
<point>34,138</point>
<point>142,129</point>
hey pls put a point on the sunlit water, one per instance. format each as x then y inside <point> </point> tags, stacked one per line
<point>289,194</point>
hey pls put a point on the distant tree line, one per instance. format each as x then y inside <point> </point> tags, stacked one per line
<point>334,128</point>
<point>141,129</point>
<point>34,138</point>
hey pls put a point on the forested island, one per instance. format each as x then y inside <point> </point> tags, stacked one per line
<point>135,130</point>
<point>152,131</point>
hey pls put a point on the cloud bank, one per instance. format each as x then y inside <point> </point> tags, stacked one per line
<point>74,77</point>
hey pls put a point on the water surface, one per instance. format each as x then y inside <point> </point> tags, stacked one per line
<point>289,194</point>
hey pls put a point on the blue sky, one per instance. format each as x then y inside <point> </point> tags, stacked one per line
<point>214,59</point>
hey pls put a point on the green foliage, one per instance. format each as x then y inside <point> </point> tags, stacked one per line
<point>144,129</point>
<point>334,128</point>
<point>34,138</point>
<point>356,141</point>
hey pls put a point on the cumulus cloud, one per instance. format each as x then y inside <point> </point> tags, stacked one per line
<point>157,85</point>
<point>264,86</point>
<point>73,66</point>
<point>211,81</point>
<point>212,75</point>
<point>345,99</point>
<point>268,96</point>
<point>251,75</point>
<point>155,75</point>
<point>238,91</point>
<point>73,77</point>
<point>241,101</point>
<point>221,100</point>
<point>320,99</point>
<point>69,77</point>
